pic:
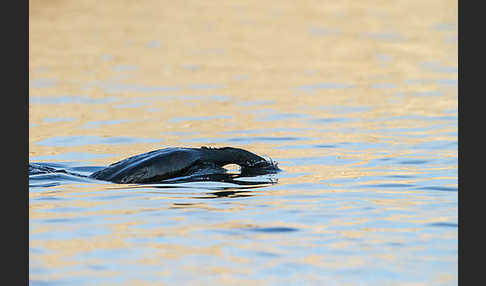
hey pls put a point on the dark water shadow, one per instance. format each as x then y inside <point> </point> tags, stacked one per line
<point>227,194</point>
<point>439,188</point>
<point>443,224</point>
<point>273,229</point>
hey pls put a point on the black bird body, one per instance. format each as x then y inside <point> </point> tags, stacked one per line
<point>163,164</point>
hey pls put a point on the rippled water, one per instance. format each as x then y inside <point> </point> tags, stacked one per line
<point>357,102</point>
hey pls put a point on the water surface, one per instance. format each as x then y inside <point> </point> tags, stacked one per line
<point>356,101</point>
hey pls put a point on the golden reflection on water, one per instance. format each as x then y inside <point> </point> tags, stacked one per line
<point>292,75</point>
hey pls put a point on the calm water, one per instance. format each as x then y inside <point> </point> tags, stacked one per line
<point>357,102</point>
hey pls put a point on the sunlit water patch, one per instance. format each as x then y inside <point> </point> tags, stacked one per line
<point>383,36</point>
<point>324,85</point>
<point>96,124</point>
<point>42,83</point>
<point>91,140</point>
<point>69,156</point>
<point>81,99</point>
<point>113,87</point>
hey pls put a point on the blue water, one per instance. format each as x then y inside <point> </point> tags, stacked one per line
<point>338,217</point>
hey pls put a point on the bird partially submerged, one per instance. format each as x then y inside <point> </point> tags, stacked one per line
<point>163,164</point>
